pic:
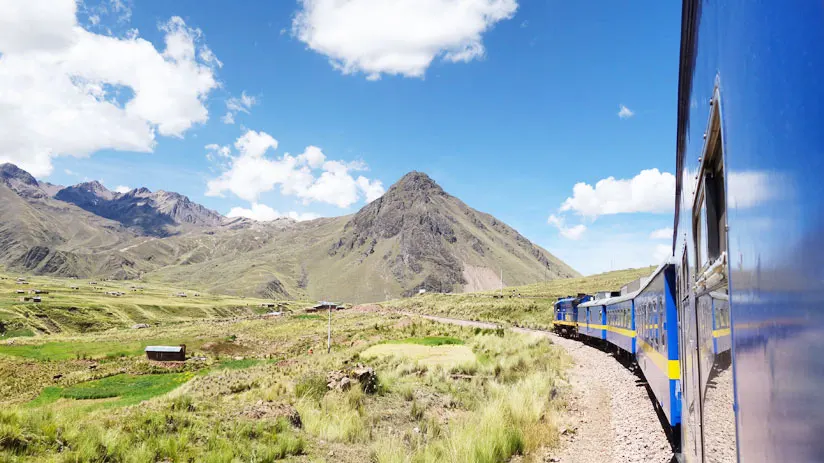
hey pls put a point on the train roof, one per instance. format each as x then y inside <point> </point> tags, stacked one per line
<point>669,261</point>
<point>622,298</point>
<point>593,302</point>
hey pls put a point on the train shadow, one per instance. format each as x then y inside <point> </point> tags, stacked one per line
<point>628,361</point>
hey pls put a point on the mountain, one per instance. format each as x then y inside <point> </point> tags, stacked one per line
<point>415,237</point>
<point>155,214</point>
<point>20,181</point>
<point>435,242</point>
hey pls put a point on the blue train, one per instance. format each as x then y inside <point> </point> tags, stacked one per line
<point>642,324</point>
<point>730,331</point>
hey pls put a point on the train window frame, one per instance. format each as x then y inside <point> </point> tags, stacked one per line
<point>685,284</point>
<point>709,208</point>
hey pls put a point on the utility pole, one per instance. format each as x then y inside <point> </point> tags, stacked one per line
<point>502,282</point>
<point>329,333</point>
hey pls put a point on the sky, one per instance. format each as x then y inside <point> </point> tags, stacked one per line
<point>556,117</point>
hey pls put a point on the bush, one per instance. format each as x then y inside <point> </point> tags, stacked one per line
<point>312,386</point>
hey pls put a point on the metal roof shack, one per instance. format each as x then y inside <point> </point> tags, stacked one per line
<point>166,353</point>
<point>324,306</point>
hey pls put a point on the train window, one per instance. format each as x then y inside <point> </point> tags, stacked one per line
<point>716,208</point>
<point>662,322</point>
<point>684,285</point>
<point>709,207</point>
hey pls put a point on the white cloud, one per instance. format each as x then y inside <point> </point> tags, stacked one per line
<point>624,112</point>
<point>264,213</point>
<point>69,172</point>
<point>67,91</point>
<point>243,104</point>
<point>302,216</point>
<point>397,37</point>
<point>573,233</point>
<point>372,189</point>
<point>649,191</point>
<point>309,176</point>
<point>661,234</point>
<point>122,189</point>
<point>662,252</point>
<point>750,188</point>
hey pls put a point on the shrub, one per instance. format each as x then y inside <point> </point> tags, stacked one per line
<point>312,386</point>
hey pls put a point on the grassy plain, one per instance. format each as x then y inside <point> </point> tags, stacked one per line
<point>527,306</point>
<point>89,309</point>
<point>254,389</point>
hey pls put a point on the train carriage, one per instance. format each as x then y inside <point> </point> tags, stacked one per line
<point>621,322</point>
<point>594,314</point>
<point>657,340</point>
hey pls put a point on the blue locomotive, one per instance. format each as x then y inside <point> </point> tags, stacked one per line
<point>565,315</point>
<point>730,331</point>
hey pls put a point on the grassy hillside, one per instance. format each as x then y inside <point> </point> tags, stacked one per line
<point>89,308</point>
<point>532,309</point>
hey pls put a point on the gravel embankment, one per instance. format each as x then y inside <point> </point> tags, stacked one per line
<point>719,419</point>
<point>611,417</point>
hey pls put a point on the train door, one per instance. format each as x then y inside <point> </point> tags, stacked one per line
<point>586,330</point>
<point>691,435</point>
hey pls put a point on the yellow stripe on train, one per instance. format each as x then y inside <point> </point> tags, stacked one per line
<point>672,368</point>
<point>721,332</point>
<point>614,329</point>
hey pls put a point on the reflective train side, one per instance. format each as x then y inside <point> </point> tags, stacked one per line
<point>747,230</point>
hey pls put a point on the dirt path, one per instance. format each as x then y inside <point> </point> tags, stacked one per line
<point>611,417</point>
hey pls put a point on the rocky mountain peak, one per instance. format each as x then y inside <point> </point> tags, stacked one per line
<point>95,188</point>
<point>415,185</point>
<point>22,182</point>
<point>9,171</point>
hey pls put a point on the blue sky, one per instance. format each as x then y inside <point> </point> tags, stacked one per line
<point>519,103</point>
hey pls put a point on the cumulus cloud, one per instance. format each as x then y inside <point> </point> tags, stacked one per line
<point>67,91</point>
<point>234,105</point>
<point>649,191</point>
<point>372,189</point>
<point>122,189</point>
<point>662,252</point>
<point>573,233</point>
<point>264,213</point>
<point>624,112</point>
<point>397,37</point>
<point>749,188</point>
<point>661,234</point>
<point>308,176</point>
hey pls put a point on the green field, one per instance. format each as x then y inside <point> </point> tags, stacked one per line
<point>128,389</point>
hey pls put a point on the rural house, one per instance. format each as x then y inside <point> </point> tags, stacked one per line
<point>166,353</point>
<point>322,306</point>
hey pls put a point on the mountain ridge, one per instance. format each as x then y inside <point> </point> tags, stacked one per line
<point>415,237</point>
